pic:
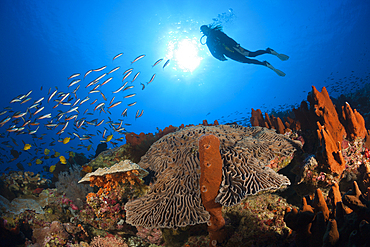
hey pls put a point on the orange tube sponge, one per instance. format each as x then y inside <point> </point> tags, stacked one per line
<point>210,180</point>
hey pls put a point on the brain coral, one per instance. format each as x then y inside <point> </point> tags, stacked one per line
<point>174,199</point>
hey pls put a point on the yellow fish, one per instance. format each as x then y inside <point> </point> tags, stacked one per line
<point>52,168</point>
<point>63,160</point>
<point>38,161</point>
<point>66,140</point>
<point>29,164</point>
<point>109,138</point>
<point>89,147</point>
<point>46,151</point>
<point>27,147</point>
<point>57,154</point>
<point>71,154</point>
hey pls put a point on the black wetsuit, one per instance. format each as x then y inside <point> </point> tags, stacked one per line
<point>221,45</point>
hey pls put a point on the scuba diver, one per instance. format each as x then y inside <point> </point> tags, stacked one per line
<point>221,45</point>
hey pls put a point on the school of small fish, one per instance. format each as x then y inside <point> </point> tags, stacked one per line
<point>70,115</point>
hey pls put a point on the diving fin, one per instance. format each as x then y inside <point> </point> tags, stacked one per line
<point>277,71</point>
<point>282,57</point>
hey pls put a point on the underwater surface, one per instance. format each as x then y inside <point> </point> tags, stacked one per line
<point>76,74</point>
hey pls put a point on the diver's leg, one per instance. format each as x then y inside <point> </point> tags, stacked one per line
<point>241,50</point>
<point>253,61</point>
<point>240,58</point>
<point>264,63</point>
<point>282,57</point>
<point>257,53</point>
<point>248,53</point>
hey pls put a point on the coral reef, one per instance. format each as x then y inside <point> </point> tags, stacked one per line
<point>118,184</point>
<point>121,168</point>
<point>110,157</point>
<point>257,221</point>
<point>152,235</point>
<point>19,205</point>
<point>210,162</point>
<point>138,144</point>
<point>336,142</point>
<point>329,153</point>
<point>109,241</point>
<point>179,201</point>
<point>354,123</point>
<point>346,224</point>
<point>68,185</point>
<point>57,234</point>
<point>323,110</point>
<point>268,122</point>
<point>174,158</point>
<point>22,183</point>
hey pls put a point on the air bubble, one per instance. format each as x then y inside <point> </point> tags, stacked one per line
<point>214,243</point>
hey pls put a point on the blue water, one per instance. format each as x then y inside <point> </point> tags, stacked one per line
<point>44,42</point>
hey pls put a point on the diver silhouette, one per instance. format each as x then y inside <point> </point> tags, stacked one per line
<point>221,45</point>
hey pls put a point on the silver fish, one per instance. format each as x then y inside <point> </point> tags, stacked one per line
<point>138,58</point>
<point>98,106</point>
<point>129,96</point>
<point>113,70</point>
<point>74,82</point>
<point>117,56</point>
<point>73,76</point>
<point>100,69</point>
<point>151,79</point>
<point>52,95</point>
<point>158,61</point>
<point>115,104</point>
